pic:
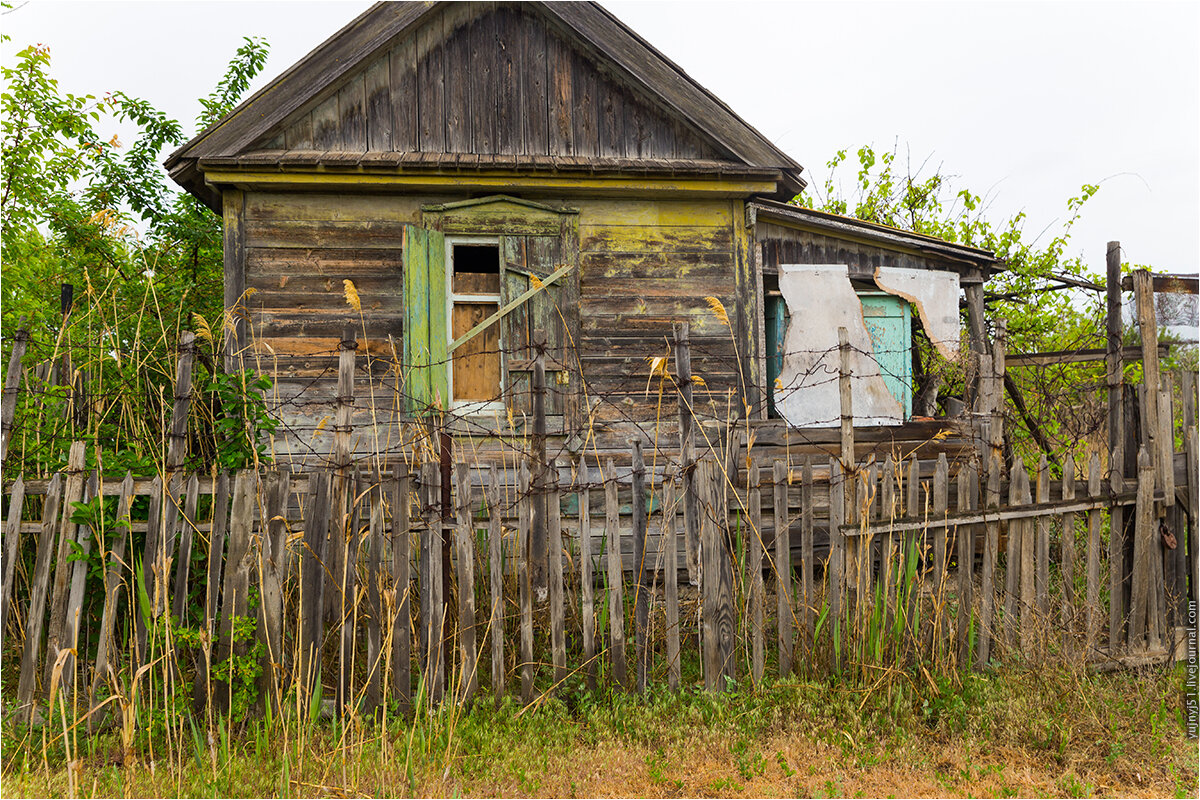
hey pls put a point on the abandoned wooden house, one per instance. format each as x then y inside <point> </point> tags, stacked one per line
<point>461,183</point>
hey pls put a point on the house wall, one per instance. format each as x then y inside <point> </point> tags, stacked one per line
<point>644,265</point>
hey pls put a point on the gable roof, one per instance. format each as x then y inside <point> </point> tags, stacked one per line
<point>616,71</point>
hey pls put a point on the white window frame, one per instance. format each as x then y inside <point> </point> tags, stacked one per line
<point>472,408</point>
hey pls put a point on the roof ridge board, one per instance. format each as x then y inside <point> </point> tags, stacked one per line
<point>789,161</point>
<point>210,139</point>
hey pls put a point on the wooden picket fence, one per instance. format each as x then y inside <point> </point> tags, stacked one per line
<point>372,586</point>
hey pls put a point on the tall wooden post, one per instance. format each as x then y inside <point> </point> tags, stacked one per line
<point>849,547</point>
<point>537,531</point>
<point>687,452</point>
<point>641,583</point>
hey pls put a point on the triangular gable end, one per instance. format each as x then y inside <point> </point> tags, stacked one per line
<point>405,77</point>
<point>487,79</point>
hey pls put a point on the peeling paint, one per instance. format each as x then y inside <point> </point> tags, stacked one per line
<point>821,299</point>
<point>934,294</point>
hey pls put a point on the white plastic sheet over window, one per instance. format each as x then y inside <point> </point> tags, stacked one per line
<point>821,299</point>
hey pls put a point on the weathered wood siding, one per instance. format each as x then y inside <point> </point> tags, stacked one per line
<point>299,248</point>
<point>644,265</point>
<point>786,245</point>
<point>648,264</point>
<point>489,79</point>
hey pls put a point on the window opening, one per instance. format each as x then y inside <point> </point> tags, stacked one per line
<point>474,276</point>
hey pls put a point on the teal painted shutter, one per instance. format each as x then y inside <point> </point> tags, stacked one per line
<point>425,325</point>
<point>889,322</point>
<point>776,323</point>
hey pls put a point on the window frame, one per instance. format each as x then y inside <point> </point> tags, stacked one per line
<point>472,407</point>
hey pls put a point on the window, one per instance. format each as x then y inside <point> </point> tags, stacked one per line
<point>473,295</point>
<point>801,383</point>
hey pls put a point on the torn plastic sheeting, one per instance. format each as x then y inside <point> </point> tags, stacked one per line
<point>821,299</point>
<point>934,293</point>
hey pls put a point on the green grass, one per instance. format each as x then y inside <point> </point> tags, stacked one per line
<point>1028,733</point>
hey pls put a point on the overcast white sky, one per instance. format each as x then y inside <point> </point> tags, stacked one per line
<point>1022,101</point>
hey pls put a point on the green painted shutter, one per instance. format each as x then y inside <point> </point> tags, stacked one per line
<point>889,322</point>
<point>425,325</point>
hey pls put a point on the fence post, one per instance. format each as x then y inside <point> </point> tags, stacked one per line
<point>342,432</point>
<point>641,582</point>
<point>848,547</point>
<point>987,587</point>
<point>754,561</point>
<point>402,587</point>
<point>12,545</point>
<point>587,582</point>
<point>687,452</point>
<point>464,541</point>
<point>1116,554</point>
<point>1143,530</point>
<point>616,589</point>
<point>216,550</point>
<point>496,575</point>
<point>12,383</point>
<point>68,533</point>
<point>173,477</point>
<point>1042,575</point>
<point>236,591</point>
<point>39,583</point>
<point>967,501</point>
<point>558,634</point>
<point>432,605</point>
<point>312,581</point>
<point>375,656</point>
<point>537,531</point>
<point>1092,614</point>
<point>783,565</point>
<point>523,582</point>
<point>112,593</point>
<point>1067,548</point>
<point>1143,300</point>
<point>670,549</point>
